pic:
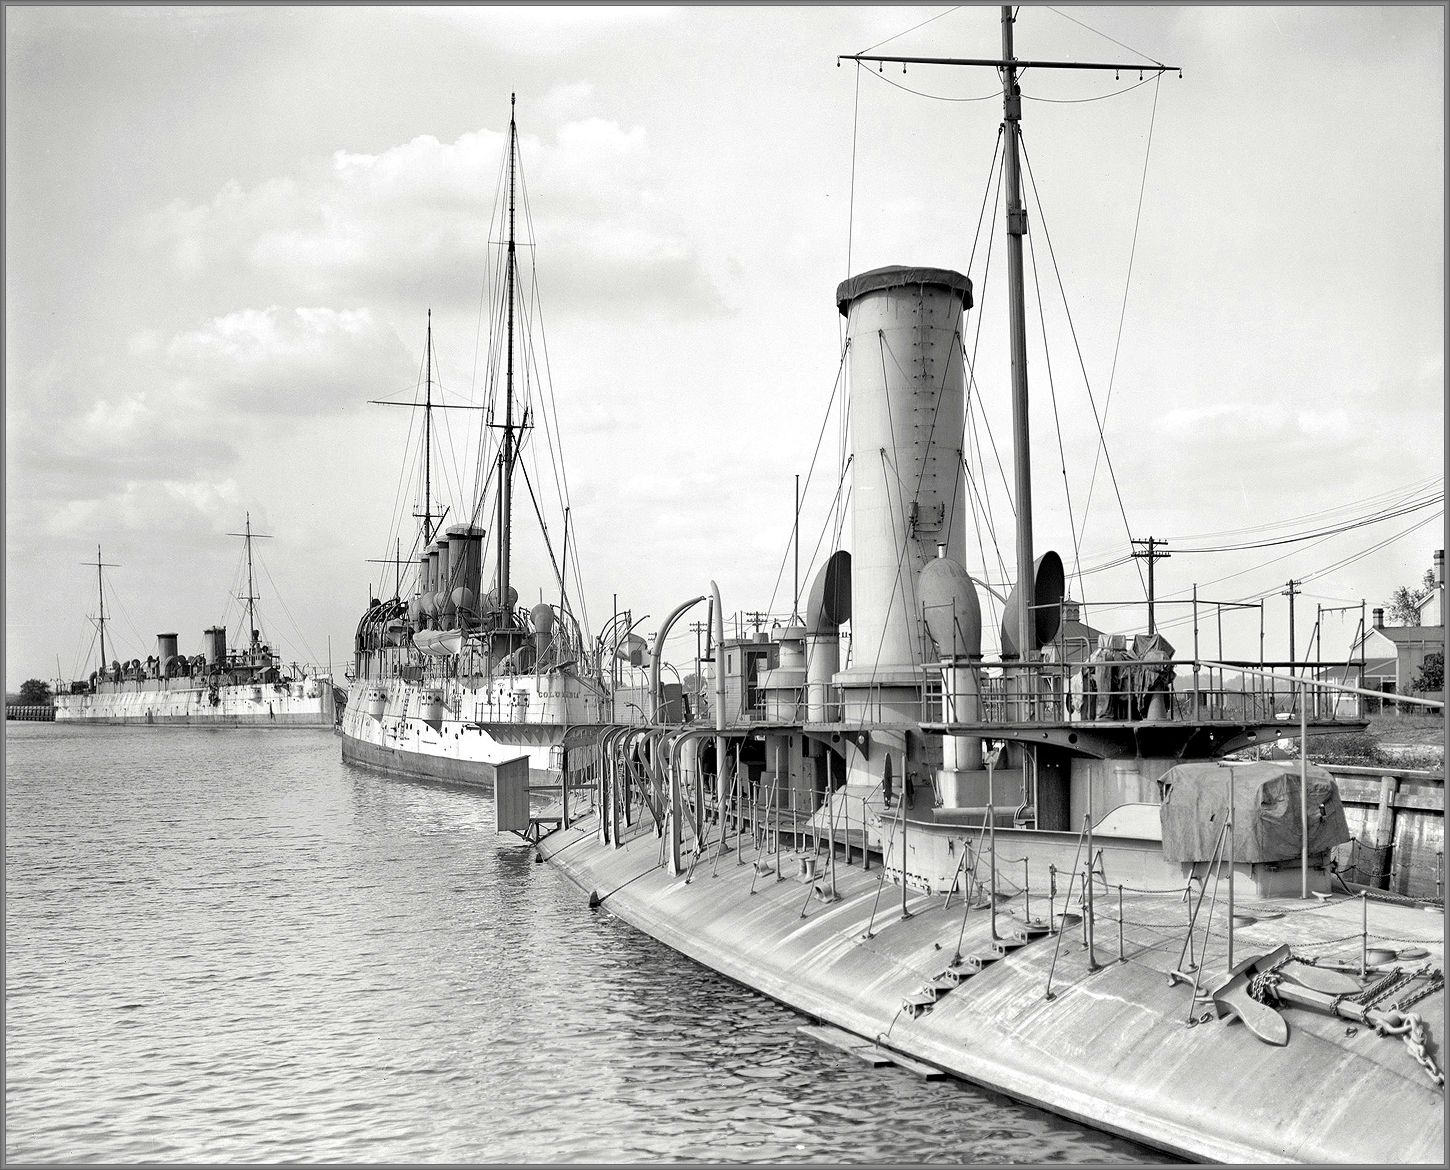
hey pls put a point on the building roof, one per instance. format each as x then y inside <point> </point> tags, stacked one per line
<point>1072,629</point>
<point>1432,598</point>
<point>1403,635</point>
<point>1412,634</point>
<point>1373,668</point>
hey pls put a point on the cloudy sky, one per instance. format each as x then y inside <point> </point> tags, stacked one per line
<point>225,229</point>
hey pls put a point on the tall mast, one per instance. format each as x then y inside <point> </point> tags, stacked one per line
<point>1008,68</point>
<point>101,598</point>
<point>1016,229</point>
<point>428,436</point>
<point>506,451</point>
<point>248,535</point>
<point>251,589</point>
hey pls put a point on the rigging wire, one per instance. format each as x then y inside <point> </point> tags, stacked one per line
<point>836,515</point>
<point>976,348</point>
<point>810,471</point>
<point>553,434</point>
<point>81,658</point>
<point>1102,97</point>
<point>1056,416</point>
<point>282,601</point>
<point>1087,383</point>
<point>1099,32</point>
<point>455,489</point>
<point>936,97</point>
<point>117,603</point>
<point>976,504</point>
<point>840,483</point>
<point>1127,283</point>
<point>913,28</point>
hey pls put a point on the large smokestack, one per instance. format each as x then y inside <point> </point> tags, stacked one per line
<point>443,598</point>
<point>430,587</point>
<point>1379,618</point>
<point>465,558</point>
<point>907,391</point>
<point>214,643</point>
<point>1439,566</point>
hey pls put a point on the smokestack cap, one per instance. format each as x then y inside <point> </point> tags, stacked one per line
<point>901,276</point>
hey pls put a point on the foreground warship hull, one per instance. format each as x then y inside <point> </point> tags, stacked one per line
<point>1074,898</point>
<point>392,728</point>
<point>1111,1048</point>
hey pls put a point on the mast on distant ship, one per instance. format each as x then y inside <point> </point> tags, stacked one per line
<point>251,595</point>
<point>428,434</point>
<point>428,406</point>
<point>507,454</point>
<point>101,597</point>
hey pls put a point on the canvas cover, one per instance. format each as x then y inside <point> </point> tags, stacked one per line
<point>1266,810</point>
<point>897,276</point>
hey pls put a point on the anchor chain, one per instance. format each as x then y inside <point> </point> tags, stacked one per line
<point>1411,1028</point>
<point>1375,992</point>
<point>1435,982</point>
<point>1264,985</point>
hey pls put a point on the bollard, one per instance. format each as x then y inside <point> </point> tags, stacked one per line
<point>1364,934</point>
<point>1121,957</point>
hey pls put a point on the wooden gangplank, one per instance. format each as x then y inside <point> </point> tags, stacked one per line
<point>873,1054</point>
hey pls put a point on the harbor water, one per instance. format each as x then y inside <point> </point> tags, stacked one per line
<point>226,945</point>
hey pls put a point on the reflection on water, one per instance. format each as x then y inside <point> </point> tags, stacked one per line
<point>226,945</point>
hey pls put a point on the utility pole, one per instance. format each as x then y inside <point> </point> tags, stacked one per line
<point>1290,593</point>
<point>1149,553</point>
<point>699,628</point>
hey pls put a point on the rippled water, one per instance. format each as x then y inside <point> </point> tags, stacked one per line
<point>226,945</point>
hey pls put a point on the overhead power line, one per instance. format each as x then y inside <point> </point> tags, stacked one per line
<point>1349,525</point>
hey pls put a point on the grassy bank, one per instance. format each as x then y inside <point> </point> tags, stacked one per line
<point>1392,740</point>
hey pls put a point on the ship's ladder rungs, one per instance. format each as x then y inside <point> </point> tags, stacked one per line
<point>1018,934</point>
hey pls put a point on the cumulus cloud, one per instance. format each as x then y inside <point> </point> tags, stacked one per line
<point>287,361</point>
<point>187,509</point>
<point>414,221</point>
<point>166,422</point>
<point>73,431</point>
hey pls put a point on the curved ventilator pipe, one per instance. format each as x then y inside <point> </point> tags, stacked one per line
<point>658,655</point>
